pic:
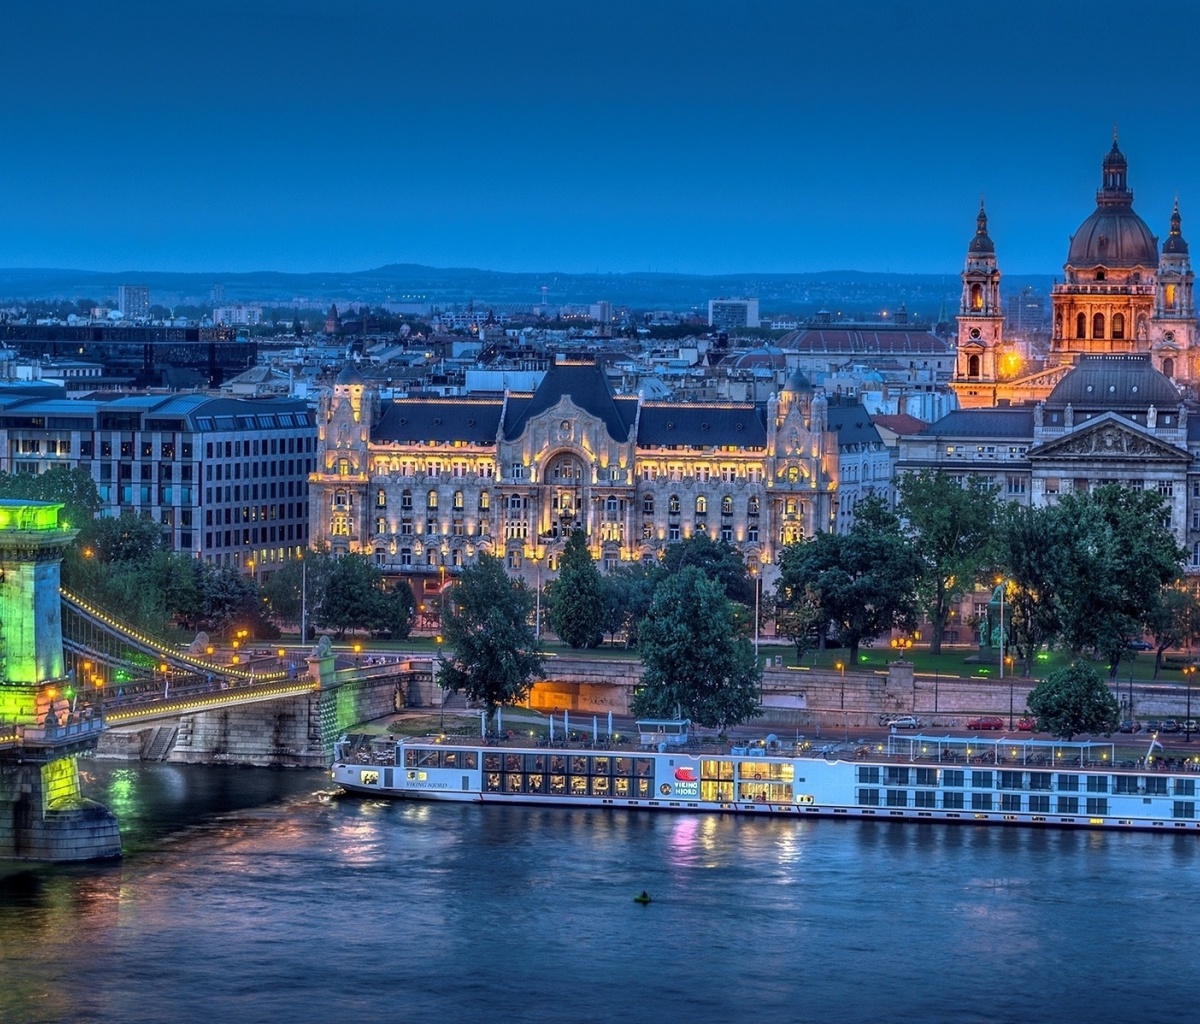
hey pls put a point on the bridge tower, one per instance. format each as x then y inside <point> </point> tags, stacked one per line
<point>43,815</point>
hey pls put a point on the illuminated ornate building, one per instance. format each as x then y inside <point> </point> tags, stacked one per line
<point>422,485</point>
<point>1117,296</point>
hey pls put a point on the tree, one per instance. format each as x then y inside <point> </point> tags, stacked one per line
<point>355,598</point>
<point>1033,543</point>
<point>1173,621</point>
<point>492,653</point>
<point>951,527</point>
<point>718,560</point>
<point>864,581</point>
<point>695,660</point>
<point>576,598</point>
<point>1074,700</point>
<point>799,615</point>
<point>283,589</point>
<point>1120,554</point>
<point>228,599</point>
<point>629,590</point>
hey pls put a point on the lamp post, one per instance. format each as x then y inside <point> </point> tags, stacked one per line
<point>1003,587</point>
<point>1188,672</point>
<point>757,592</point>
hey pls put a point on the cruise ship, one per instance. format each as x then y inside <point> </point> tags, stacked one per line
<point>976,780</point>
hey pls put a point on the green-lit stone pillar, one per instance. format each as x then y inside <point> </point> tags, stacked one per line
<point>43,816</point>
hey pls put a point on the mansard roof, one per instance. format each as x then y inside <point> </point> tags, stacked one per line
<point>702,425</point>
<point>586,385</point>
<point>415,420</point>
<point>1003,424</point>
<point>852,423</point>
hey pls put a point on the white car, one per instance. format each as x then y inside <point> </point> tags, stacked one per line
<point>905,722</point>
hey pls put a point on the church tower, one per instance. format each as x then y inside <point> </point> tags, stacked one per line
<point>1173,324</point>
<point>980,321</point>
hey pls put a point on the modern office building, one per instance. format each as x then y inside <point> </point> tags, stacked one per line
<point>226,478</point>
<point>729,314</point>
<point>133,301</point>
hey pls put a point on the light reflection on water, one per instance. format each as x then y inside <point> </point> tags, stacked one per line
<point>255,896</point>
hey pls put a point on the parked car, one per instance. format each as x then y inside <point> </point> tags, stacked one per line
<point>986,722</point>
<point>1153,725</point>
<point>1140,645</point>
<point>1127,726</point>
<point>905,722</point>
<point>1170,725</point>
<point>1189,725</point>
<point>1027,724</point>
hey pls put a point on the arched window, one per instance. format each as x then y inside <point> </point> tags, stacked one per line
<point>341,498</point>
<point>1168,367</point>
<point>701,505</point>
<point>1081,326</point>
<point>343,467</point>
<point>458,501</point>
<point>1099,275</point>
<point>381,498</point>
<point>431,500</point>
<point>1118,326</point>
<point>514,503</point>
<point>1169,296</point>
<point>1098,325</point>
<point>727,505</point>
<point>789,507</point>
<point>973,366</point>
<point>612,505</point>
<point>406,501</point>
<point>977,296</point>
<point>484,501</point>
<point>673,505</point>
<point>648,505</point>
<point>752,505</point>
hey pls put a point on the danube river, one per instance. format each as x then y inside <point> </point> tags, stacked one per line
<point>250,895</point>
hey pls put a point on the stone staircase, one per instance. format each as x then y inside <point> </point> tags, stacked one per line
<point>159,742</point>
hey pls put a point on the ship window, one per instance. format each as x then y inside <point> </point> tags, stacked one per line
<point>1184,809</point>
<point>1068,805</point>
<point>981,801</point>
<point>1068,783</point>
<point>926,798</point>
<point>868,797</point>
<point>897,797</point>
<point>952,801</point>
<point>952,777</point>
<point>1039,804</point>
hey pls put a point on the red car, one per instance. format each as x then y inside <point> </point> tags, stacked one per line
<point>1027,724</point>
<point>986,722</point>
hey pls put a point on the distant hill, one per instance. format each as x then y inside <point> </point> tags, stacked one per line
<point>851,292</point>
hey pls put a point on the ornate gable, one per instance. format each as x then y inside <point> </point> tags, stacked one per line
<point>1108,437</point>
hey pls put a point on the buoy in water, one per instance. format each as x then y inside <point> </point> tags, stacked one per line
<point>643,899</point>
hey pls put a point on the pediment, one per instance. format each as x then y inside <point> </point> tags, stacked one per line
<point>1109,437</point>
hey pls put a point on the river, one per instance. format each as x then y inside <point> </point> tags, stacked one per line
<point>249,895</point>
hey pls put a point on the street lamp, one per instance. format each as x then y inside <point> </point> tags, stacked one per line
<point>1003,583</point>
<point>1188,672</point>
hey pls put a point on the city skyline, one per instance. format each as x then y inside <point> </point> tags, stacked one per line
<point>667,137</point>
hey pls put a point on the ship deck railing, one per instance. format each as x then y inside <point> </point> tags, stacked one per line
<point>964,751</point>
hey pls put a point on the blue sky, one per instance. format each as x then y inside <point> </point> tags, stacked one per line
<point>669,135</point>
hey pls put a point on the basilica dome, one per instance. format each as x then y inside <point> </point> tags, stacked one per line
<point>1113,236</point>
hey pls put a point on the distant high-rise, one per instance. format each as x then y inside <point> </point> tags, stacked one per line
<point>218,293</point>
<point>725,314</point>
<point>133,301</point>
<point>1025,312</point>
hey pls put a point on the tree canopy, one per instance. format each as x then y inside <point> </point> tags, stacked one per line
<point>355,598</point>
<point>695,661</point>
<point>720,561</point>
<point>864,580</point>
<point>1074,700</point>
<point>576,598</point>
<point>951,528</point>
<point>491,651</point>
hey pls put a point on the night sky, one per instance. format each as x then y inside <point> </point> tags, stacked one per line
<point>697,136</point>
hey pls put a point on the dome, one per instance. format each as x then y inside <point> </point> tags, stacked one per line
<point>768,357</point>
<point>1113,236</point>
<point>797,383</point>
<point>1113,382</point>
<point>350,376</point>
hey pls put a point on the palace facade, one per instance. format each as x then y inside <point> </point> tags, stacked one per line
<point>423,485</point>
